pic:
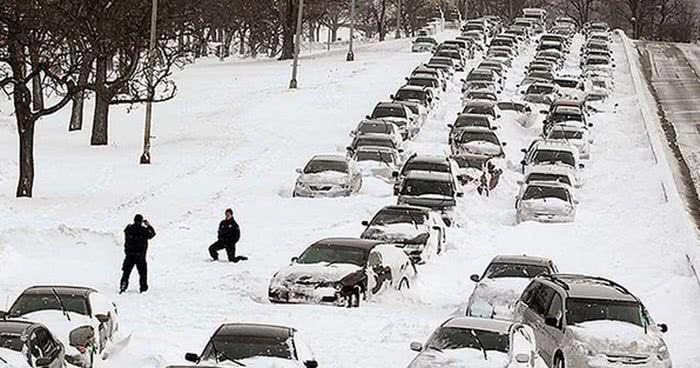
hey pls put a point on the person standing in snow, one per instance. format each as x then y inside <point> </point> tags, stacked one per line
<point>228,235</point>
<point>136,237</point>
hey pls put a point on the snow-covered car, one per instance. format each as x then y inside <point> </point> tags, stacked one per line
<point>597,63</point>
<point>541,93</point>
<point>484,107</point>
<point>424,44</point>
<point>535,77</point>
<point>476,145</point>
<point>480,86</point>
<point>499,288</point>
<point>453,53</point>
<point>82,318</point>
<point>520,112</point>
<point>435,190</point>
<point>553,173</point>
<point>425,81</point>
<point>572,134</point>
<point>378,127</point>
<point>591,322</point>
<point>255,345</point>
<point>597,99</point>
<point>398,114</point>
<point>419,99</point>
<point>342,272</point>
<point>570,87</point>
<point>372,140</point>
<point>328,176</point>
<point>480,96</point>
<point>546,201</point>
<point>477,342</point>
<point>428,163</point>
<point>553,153</point>
<point>485,75</point>
<point>444,63</point>
<point>25,344</point>
<point>466,121</point>
<point>419,231</point>
<point>379,162</point>
<point>569,114</point>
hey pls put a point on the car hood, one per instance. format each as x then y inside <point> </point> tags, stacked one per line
<point>495,298</point>
<point>616,337</point>
<point>394,232</point>
<point>260,362</point>
<point>58,324</point>
<point>326,177</point>
<point>481,147</point>
<point>459,358</point>
<point>13,358</point>
<point>315,273</point>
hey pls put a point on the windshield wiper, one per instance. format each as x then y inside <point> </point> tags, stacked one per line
<point>431,347</point>
<point>60,303</point>
<point>481,345</point>
<point>223,355</point>
<point>3,360</point>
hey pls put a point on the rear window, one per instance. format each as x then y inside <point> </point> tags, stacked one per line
<point>384,111</point>
<point>517,270</point>
<point>587,310</point>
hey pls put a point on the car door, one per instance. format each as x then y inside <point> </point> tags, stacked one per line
<point>533,312</point>
<point>553,333</point>
<point>540,308</point>
<point>380,273</point>
<point>43,345</point>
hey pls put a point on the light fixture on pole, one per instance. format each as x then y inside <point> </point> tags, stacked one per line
<point>351,54</point>
<point>297,41</point>
<point>146,155</point>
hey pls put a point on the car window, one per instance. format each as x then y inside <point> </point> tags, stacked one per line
<point>11,341</point>
<point>541,298</point>
<point>555,309</point>
<point>374,260</point>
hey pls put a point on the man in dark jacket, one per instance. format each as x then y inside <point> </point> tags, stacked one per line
<point>229,234</point>
<point>136,237</point>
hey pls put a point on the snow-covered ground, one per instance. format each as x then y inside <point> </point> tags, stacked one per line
<point>233,138</point>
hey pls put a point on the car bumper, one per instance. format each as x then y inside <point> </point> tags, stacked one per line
<point>602,361</point>
<point>546,217</point>
<point>307,295</point>
<point>307,192</point>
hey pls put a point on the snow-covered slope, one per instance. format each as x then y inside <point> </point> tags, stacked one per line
<point>233,138</point>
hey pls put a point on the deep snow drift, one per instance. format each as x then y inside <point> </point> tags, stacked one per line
<point>233,138</point>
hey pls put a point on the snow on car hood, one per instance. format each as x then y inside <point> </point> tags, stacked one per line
<point>394,232</point>
<point>496,297</point>
<point>616,337</point>
<point>13,358</point>
<point>326,177</point>
<point>262,362</point>
<point>549,204</point>
<point>429,200</point>
<point>481,147</point>
<point>395,119</point>
<point>57,322</point>
<point>460,358</point>
<point>316,272</point>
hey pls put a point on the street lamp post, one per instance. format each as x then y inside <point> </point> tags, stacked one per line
<point>146,155</point>
<point>398,21</point>
<point>351,54</point>
<point>635,31</point>
<point>297,41</point>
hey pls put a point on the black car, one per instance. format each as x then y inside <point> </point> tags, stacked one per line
<point>34,341</point>
<point>236,342</point>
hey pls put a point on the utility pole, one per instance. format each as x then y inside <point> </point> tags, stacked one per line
<point>297,42</point>
<point>398,21</point>
<point>351,54</point>
<point>146,155</point>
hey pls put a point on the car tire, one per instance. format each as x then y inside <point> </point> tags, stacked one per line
<point>404,284</point>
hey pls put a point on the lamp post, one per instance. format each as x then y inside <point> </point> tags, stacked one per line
<point>146,155</point>
<point>398,20</point>
<point>351,54</point>
<point>297,41</point>
<point>635,30</point>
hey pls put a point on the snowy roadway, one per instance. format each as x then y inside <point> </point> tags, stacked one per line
<point>233,138</point>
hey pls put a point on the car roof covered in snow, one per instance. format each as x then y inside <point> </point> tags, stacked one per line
<point>428,175</point>
<point>522,259</point>
<point>549,169</point>
<point>329,157</point>
<point>60,290</point>
<point>375,149</point>
<point>417,88</point>
<point>485,324</point>
<point>347,242</point>
<point>479,103</point>
<point>254,330</point>
<point>555,146</point>
<point>590,287</point>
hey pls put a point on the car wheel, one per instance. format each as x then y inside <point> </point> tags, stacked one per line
<point>404,284</point>
<point>559,362</point>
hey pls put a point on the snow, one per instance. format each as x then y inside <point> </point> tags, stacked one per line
<point>233,137</point>
<point>457,358</point>
<point>616,337</point>
<point>495,298</point>
<point>12,359</point>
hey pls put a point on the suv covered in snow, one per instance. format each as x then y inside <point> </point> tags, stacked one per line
<point>328,176</point>
<point>417,230</point>
<point>398,114</point>
<point>435,190</point>
<point>426,163</point>
<point>584,321</point>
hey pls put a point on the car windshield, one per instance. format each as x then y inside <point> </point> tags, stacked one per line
<point>11,341</point>
<point>566,83</point>
<point>540,75</point>
<point>480,76</point>
<point>375,142</point>
<point>479,110</point>
<point>546,156</point>
<point>223,348</point>
<point>379,156</point>
<point>465,121</point>
<point>544,192</point>
<point>425,40</point>
<point>511,106</point>
<point>585,310</point>
<point>539,90</point>
<point>28,303</point>
<point>451,338</point>
<point>441,61</point>
<point>565,134</point>
<point>478,137</point>
<point>319,166</point>
<point>333,254</point>
<point>417,187</point>
<point>498,270</point>
<point>481,96</point>
<point>562,116</point>
<point>422,82</point>
<point>394,216</point>
<point>380,128</point>
<point>388,112</point>
<point>417,165</point>
<point>548,177</point>
<point>597,61</point>
<point>407,94</point>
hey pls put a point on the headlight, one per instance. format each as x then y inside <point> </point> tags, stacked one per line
<point>662,352</point>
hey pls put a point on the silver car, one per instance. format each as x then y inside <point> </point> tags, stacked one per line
<point>328,176</point>
<point>591,322</point>
<point>546,201</point>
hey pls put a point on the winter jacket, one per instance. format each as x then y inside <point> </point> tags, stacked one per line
<point>229,232</point>
<point>136,237</point>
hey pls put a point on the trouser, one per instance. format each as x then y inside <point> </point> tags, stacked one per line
<point>219,245</point>
<point>138,260</point>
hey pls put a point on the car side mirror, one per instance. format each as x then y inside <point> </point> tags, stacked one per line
<point>460,194</point>
<point>523,150</point>
<point>311,364</point>
<point>494,128</point>
<point>590,125</point>
<point>3,314</point>
<point>365,223</point>
<point>522,358</point>
<point>437,228</point>
<point>298,170</point>
<point>43,362</point>
<point>552,322</point>
<point>475,278</point>
<point>498,116</point>
<point>103,318</point>
<point>522,92</point>
<point>581,166</point>
<point>523,162</point>
<point>368,117</point>
<point>450,126</point>
<point>504,144</point>
<point>662,327</point>
<point>294,259</point>
<point>192,357</point>
<point>400,150</point>
<point>391,97</point>
<point>416,346</point>
<point>349,148</point>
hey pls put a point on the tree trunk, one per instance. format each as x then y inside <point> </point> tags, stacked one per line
<point>76,116</point>
<point>100,120</point>
<point>288,30</point>
<point>37,90</point>
<point>26,156</point>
